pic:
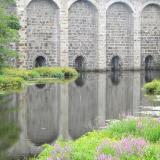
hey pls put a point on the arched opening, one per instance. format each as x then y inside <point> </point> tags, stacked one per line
<point>80,63</point>
<point>150,29</point>
<point>119,33</point>
<point>40,61</point>
<point>83,32</point>
<point>116,65</point>
<point>149,63</point>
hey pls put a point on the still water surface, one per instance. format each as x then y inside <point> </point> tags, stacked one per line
<point>43,113</point>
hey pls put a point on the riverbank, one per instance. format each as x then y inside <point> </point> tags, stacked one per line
<point>128,139</point>
<point>12,79</point>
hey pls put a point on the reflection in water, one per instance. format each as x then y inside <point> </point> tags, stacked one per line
<point>40,86</point>
<point>83,105</point>
<point>119,96</point>
<point>148,76</point>
<point>49,111</point>
<point>42,114</point>
<point>80,81</point>
<point>115,77</point>
<point>9,129</point>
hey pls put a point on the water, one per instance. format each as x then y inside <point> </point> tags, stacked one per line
<point>43,113</point>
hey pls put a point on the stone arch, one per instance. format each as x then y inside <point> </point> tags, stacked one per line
<point>54,1</point>
<point>43,31</point>
<point>83,32</point>
<point>150,38</point>
<point>71,2</point>
<point>126,2</point>
<point>151,2</point>
<point>119,33</point>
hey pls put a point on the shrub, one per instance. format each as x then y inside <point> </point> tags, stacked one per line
<point>56,72</point>
<point>151,87</point>
<point>10,83</point>
<point>25,74</point>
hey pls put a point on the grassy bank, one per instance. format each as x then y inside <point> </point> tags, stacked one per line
<point>14,79</point>
<point>129,139</point>
<point>153,87</point>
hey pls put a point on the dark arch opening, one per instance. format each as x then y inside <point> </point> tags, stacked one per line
<point>116,63</point>
<point>40,61</point>
<point>149,63</point>
<point>80,63</point>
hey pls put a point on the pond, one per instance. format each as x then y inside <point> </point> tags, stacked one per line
<point>43,113</point>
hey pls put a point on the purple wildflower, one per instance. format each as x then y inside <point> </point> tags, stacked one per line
<point>105,157</point>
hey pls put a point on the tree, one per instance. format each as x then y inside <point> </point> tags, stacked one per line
<point>9,26</point>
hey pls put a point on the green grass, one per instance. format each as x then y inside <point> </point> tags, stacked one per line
<point>100,143</point>
<point>12,79</point>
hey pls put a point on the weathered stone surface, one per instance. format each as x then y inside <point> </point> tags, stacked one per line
<point>98,30</point>
<point>83,33</point>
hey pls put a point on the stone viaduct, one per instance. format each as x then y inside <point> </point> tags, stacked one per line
<point>89,34</point>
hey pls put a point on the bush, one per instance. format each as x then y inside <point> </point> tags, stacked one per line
<point>152,87</point>
<point>56,72</point>
<point>12,78</point>
<point>10,83</point>
<point>25,74</point>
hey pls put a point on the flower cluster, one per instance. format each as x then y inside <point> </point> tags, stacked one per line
<point>125,147</point>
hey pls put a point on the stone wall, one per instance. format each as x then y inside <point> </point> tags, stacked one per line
<point>42,32</point>
<point>119,36</point>
<point>150,29</point>
<point>97,30</point>
<point>82,33</point>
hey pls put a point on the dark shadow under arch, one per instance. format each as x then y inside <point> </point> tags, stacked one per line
<point>149,63</point>
<point>80,63</point>
<point>40,61</point>
<point>115,63</point>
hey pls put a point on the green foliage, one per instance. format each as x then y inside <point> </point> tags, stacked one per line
<point>152,152</point>
<point>46,152</point>
<point>23,73</point>
<point>9,26</point>
<point>87,147</point>
<point>146,127</point>
<point>56,72</point>
<point>10,83</point>
<point>13,78</point>
<point>151,87</point>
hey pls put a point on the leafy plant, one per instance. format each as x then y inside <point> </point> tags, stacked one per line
<point>9,26</point>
